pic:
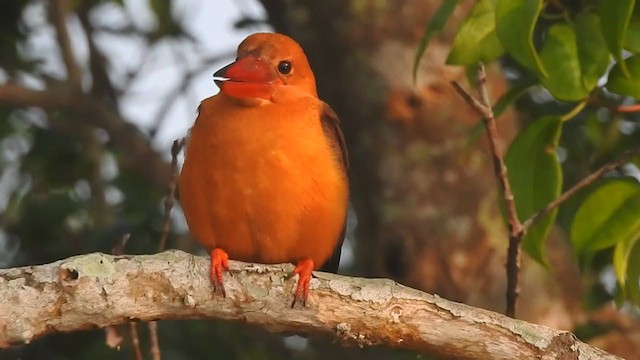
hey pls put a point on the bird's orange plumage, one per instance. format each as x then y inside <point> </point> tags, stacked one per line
<point>264,178</point>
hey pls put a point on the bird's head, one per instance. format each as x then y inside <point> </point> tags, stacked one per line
<point>266,64</point>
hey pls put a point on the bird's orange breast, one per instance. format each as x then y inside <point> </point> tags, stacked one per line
<point>263,182</point>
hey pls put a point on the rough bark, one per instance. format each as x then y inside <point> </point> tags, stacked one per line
<point>97,290</point>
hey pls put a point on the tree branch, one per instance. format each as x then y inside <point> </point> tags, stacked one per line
<point>187,79</point>
<point>127,138</point>
<point>627,108</point>
<point>97,290</point>
<point>101,86</point>
<point>171,193</point>
<point>626,157</point>
<point>60,8</point>
<point>164,234</point>
<point>516,233</point>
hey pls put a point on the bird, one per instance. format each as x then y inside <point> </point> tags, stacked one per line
<point>264,178</point>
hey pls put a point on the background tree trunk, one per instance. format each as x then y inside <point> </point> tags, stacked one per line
<point>425,197</point>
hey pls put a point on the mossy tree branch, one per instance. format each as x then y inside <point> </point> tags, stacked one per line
<point>97,290</point>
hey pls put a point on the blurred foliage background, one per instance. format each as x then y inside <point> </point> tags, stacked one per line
<point>92,92</point>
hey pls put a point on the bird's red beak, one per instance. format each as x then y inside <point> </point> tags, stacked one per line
<point>248,77</point>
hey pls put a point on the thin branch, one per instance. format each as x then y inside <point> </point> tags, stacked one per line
<point>174,95</point>
<point>124,136</point>
<point>515,228</point>
<point>575,111</point>
<point>135,340</point>
<point>97,290</point>
<point>623,159</point>
<point>101,86</point>
<point>168,103</point>
<point>166,228</point>
<point>113,337</point>
<point>611,105</point>
<point>118,249</point>
<point>17,95</point>
<point>477,105</point>
<point>182,89</point>
<point>483,108</point>
<point>627,108</point>
<point>171,194</point>
<point>60,10</point>
<point>153,339</point>
<point>132,76</point>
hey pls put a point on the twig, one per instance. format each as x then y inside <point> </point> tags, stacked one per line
<point>168,103</point>
<point>174,95</point>
<point>171,195</point>
<point>113,337</point>
<point>118,249</point>
<point>166,228</point>
<point>183,89</point>
<point>516,234</point>
<point>602,101</point>
<point>627,108</point>
<point>517,230</point>
<point>74,72</point>
<point>625,157</point>
<point>132,75</point>
<point>153,338</point>
<point>124,136</point>
<point>135,339</point>
<point>101,85</point>
<point>575,111</point>
<point>133,326</point>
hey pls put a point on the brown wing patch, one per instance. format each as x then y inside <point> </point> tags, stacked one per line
<point>331,128</point>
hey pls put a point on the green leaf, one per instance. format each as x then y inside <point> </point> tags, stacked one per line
<point>515,22</point>
<point>435,25</point>
<point>632,285</point>
<point>575,57</point>
<point>614,17</point>
<point>560,57</point>
<point>477,40</point>
<point>622,84</point>
<point>621,255</point>
<point>632,38</point>
<point>607,216</point>
<point>536,178</point>
<point>592,49</point>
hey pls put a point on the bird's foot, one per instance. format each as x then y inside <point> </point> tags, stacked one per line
<point>219,263</point>
<point>303,269</point>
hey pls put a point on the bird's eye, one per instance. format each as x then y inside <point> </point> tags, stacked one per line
<point>284,67</point>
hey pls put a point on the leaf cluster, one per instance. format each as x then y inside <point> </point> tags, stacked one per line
<point>576,67</point>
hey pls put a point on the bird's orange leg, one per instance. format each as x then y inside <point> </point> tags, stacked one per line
<point>219,263</point>
<point>303,269</point>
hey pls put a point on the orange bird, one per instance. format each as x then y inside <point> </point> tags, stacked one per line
<point>265,173</point>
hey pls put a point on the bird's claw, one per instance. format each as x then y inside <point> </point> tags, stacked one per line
<point>219,263</point>
<point>303,269</point>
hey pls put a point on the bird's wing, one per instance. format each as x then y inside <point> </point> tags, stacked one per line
<point>331,128</point>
